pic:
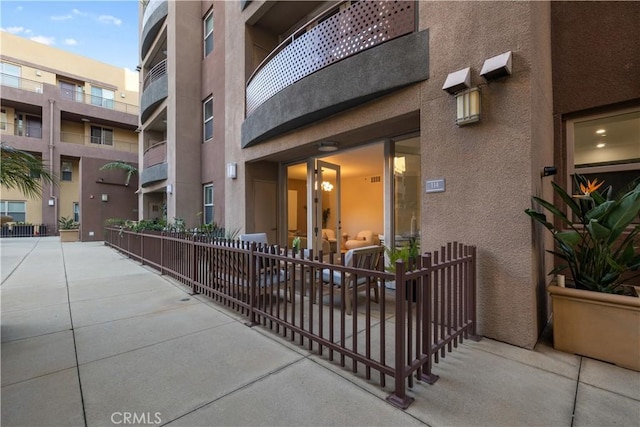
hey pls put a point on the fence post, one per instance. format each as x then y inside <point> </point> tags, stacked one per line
<point>427,332</point>
<point>472,284</point>
<point>399,396</point>
<point>142,248</point>
<point>252,285</point>
<point>194,265</point>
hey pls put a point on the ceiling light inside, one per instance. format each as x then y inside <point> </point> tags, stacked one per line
<point>601,145</point>
<point>600,131</point>
<point>328,146</point>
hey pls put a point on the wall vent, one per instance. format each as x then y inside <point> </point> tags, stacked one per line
<point>375,179</point>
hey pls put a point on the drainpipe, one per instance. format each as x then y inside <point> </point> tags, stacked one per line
<point>51,167</point>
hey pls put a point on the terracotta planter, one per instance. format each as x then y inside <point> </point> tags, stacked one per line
<point>69,235</point>
<point>597,325</point>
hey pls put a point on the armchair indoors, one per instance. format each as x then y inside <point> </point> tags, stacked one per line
<point>329,235</point>
<point>364,238</point>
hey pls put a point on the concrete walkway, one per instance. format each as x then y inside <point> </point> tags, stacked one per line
<point>91,338</point>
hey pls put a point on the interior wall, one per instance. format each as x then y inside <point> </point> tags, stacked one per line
<point>362,205</point>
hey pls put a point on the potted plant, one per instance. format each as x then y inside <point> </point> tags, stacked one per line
<point>597,315</point>
<point>409,254</point>
<point>69,230</point>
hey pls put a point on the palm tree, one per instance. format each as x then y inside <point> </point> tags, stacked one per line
<point>23,171</point>
<point>119,164</point>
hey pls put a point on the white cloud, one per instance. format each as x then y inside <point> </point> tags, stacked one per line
<point>61,17</point>
<point>70,42</point>
<point>77,12</point>
<point>15,30</point>
<point>44,40</point>
<point>108,19</point>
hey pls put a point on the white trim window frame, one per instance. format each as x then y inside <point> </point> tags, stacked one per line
<point>207,196</point>
<point>608,147</point>
<point>207,29</point>
<point>101,135</point>
<point>10,208</point>
<point>66,170</point>
<point>207,114</point>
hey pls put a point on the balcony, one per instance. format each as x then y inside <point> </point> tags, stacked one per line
<point>155,89</point>
<point>338,35</point>
<point>105,141</point>
<point>155,154</point>
<point>33,130</point>
<point>20,83</point>
<point>98,101</point>
<point>351,55</point>
<point>154,15</point>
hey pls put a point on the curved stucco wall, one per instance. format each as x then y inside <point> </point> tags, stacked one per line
<point>152,26</point>
<point>350,82</point>
<point>155,93</point>
<point>154,173</point>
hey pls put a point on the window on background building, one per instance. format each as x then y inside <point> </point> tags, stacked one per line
<point>208,119</point>
<point>76,211</point>
<point>102,97</point>
<point>3,119</point>
<point>66,171</point>
<point>208,34</point>
<point>208,204</point>
<point>9,74</point>
<point>70,91</point>
<point>100,135</point>
<point>606,147</point>
<point>16,210</point>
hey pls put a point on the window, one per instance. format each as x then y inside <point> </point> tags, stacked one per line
<point>100,135</point>
<point>67,171</point>
<point>76,212</point>
<point>102,97</point>
<point>16,210</point>
<point>208,204</point>
<point>70,91</point>
<point>208,34</point>
<point>10,74</point>
<point>606,147</point>
<point>208,119</point>
<point>3,119</point>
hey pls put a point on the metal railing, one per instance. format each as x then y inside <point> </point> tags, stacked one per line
<point>433,310</point>
<point>20,83</point>
<point>29,131</point>
<point>98,101</point>
<point>332,36</point>
<point>118,145</point>
<point>155,154</point>
<point>28,230</point>
<point>158,71</point>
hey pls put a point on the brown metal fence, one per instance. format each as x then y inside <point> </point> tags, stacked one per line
<point>432,311</point>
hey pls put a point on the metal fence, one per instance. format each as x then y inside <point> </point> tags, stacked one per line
<point>28,230</point>
<point>401,336</point>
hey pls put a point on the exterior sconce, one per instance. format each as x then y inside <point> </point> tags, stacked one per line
<point>232,170</point>
<point>105,197</point>
<point>549,171</point>
<point>468,106</point>
<point>169,188</point>
<point>52,202</point>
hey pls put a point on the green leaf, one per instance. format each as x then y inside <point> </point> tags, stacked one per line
<point>554,210</point>
<point>539,217</point>
<point>571,238</point>
<point>566,198</point>
<point>623,214</point>
<point>601,210</point>
<point>597,230</point>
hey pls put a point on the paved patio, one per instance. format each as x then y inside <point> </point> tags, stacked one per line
<point>92,338</point>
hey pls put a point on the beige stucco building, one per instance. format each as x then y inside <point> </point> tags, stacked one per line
<point>76,114</point>
<point>427,120</point>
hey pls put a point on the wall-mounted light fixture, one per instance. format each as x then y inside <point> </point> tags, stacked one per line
<point>52,202</point>
<point>327,146</point>
<point>232,170</point>
<point>104,197</point>
<point>549,171</point>
<point>169,188</point>
<point>468,106</point>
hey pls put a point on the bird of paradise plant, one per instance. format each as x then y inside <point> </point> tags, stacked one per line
<point>600,245</point>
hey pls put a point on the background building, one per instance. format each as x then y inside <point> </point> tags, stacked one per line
<point>76,114</point>
<point>294,117</point>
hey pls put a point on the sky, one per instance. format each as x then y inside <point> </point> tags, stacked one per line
<point>106,31</point>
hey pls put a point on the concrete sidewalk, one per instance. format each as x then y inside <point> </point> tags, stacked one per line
<point>92,338</point>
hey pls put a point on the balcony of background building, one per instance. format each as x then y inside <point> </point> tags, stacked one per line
<point>342,31</point>
<point>20,83</point>
<point>101,141</point>
<point>155,12</point>
<point>155,154</point>
<point>33,130</point>
<point>155,88</point>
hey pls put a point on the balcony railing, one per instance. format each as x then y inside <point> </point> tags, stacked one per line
<point>159,70</point>
<point>337,35</point>
<point>155,154</point>
<point>99,101</point>
<point>29,131</point>
<point>102,141</point>
<point>20,83</point>
<point>149,7</point>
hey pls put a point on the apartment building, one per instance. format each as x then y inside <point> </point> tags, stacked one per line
<point>434,121</point>
<point>77,114</point>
